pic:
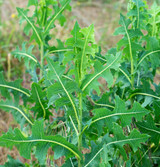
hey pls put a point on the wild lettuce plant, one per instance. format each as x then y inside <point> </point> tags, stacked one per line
<point>110,123</point>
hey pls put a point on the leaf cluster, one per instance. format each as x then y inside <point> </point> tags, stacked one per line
<point>67,108</point>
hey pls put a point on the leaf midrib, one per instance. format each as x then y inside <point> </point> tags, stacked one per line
<point>44,140</point>
<point>44,111</point>
<point>74,108</point>
<point>115,142</point>
<point>14,88</point>
<point>83,53</point>
<point>25,54</point>
<point>86,85</point>
<point>56,16</point>
<point>148,129</point>
<point>39,38</point>
<point>21,112</point>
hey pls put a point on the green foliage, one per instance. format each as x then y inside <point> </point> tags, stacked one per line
<point>67,107</point>
<point>12,162</point>
<point>103,116</point>
<point>12,87</point>
<point>38,138</point>
<point>29,59</point>
<point>38,97</point>
<point>134,139</point>
<point>150,128</point>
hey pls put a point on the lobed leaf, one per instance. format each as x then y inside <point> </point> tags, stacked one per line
<point>18,114</point>
<point>29,59</point>
<point>134,140</point>
<point>38,97</point>
<point>57,15</point>
<point>13,87</point>
<point>37,139</point>
<point>103,116</point>
<point>55,72</point>
<point>91,80</point>
<point>36,31</point>
<point>149,127</point>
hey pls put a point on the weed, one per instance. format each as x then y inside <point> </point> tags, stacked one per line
<point>66,79</point>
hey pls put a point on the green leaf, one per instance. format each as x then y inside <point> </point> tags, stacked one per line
<point>128,43</point>
<point>134,140</point>
<point>91,80</point>
<point>138,13</point>
<point>58,51</point>
<point>13,87</point>
<point>55,72</point>
<point>56,91</point>
<point>38,96</point>
<point>151,54</point>
<point>36,32</point>
<point>144,93</point>
<point>18,114</point>
<point>12,163</point>
<point>37,139</point>
<point>29,59</point>
<point>90,160</point>
<point>84,49</point>
<point>156,107</point>
<point>153,21</point>
<point>150,128</point>
<point>103,116</point>
<point>57,15</point>
<point>32,2</point>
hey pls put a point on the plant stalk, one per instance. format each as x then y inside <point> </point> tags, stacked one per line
<point>42,55</point>
<point>9,67</point>
<point>80,128</point>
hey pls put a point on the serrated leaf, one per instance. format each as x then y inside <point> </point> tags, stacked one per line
<point>58,51</point>
<point>83,50</point>
<point>103,116</point>
<point>151,54</point>
<point>58,12</point>
<point>144,93</point>
<point>29,59</point>
<point>32,2</point>
<point>12,162</point>
<point>36,32</point>
<point>13,87</point>
<point>18,114</point>
<point>38,96</point>
<point>56,91</point>
<point>134,140</point>
<point>39,140</point>
<point>150,128</point>
<point>153,21</point>
<point>128,42</point>
<point>101,71</point>
<point>55,72</point>
<point>138,12</point>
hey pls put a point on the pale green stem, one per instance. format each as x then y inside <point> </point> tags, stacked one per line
<point>154,25</point>
<point>9,67</point>
<point>131,57</point>
<point>42,54</point>
<point>80,128</point>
